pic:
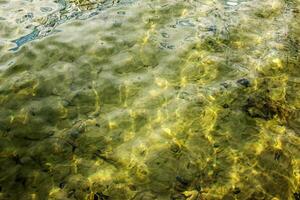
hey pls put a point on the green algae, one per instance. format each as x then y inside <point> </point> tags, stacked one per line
<point>104,111</point>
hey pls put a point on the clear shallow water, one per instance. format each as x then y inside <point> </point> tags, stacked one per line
<point>149,99</point>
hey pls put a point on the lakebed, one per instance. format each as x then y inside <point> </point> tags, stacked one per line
<point>113,99</point>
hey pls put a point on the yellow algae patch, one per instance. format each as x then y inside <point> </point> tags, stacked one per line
<point>191,195</point>
<point>112,125</point>
<point>168,131</point>
<point>64,111</point>
<point>184,12</point>
<point>163,83</point>
<point>183,81</point>
<point>148,34</point>
<point>277,62</point>
<point>278,143</point>
<point>154,93</point>
<point>97,99</point>
<point>258,147</point>
<point>53,191</point>
<point>128,136</point>
<point>91,122</point>
<point>238,44</point>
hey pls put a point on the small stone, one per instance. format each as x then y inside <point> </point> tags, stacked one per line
<point>236,190</point>
<point>100,196</point>
<point>32,113</point>
<point>225,105</point>
<point>121,12</point>
<point>165,35</point>
<point>178,197</point>
<point>75,134</point>
<point>297,195</point>
<point>25,160</point>
<point>225,85</point>
<point>175,148</point>
<point>182,180</point>
<point>28,16</point>
<point>216,145</point>
<point>212,29</point>
<point>244,82</point>
<point>61,185</point>
<point>277,155</point>
<point>46,9</point>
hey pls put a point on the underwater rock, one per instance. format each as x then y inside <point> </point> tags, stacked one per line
<point>297,195</point>
<point>100,196</point>
<point>244,82</point>
<point>178,197</point>
<point>181,180</point>
<point>265,108</point>
<point>225,85</point>
<point>225,105</point>
<point>74,134</point>
<point>236,190</point>
<point>62,185</point>
<point>175,148</point>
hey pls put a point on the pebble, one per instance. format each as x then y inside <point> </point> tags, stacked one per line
<point>225,105</point>
<point>182,180</point>
<point>165,35</point>
<point>244,82</point>
<point>297,195</point>
<point>236,190</point>
<point>74,134</point>
<point>62,185</point>
<point>46,9</point>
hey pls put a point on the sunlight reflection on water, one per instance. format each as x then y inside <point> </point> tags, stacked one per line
<point>149,99</point>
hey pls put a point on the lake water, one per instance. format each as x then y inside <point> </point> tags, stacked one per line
<point>150,100</point>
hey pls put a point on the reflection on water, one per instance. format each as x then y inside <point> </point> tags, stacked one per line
<point>150,99</point>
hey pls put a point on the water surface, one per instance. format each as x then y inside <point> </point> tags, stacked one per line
<point>131,99</point>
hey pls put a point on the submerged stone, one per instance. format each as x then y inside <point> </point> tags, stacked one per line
<point>244,82</point>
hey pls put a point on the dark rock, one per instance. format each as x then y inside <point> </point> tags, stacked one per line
<point>225,105</point>
<point>178,197</point>
<point>61,185</point>
<point>225,85</point>
<point>183,181</point>
<point>100,196</point>
<point>297,195</point>
<point>132,187</point>
<point>20,180</point>
<point>175,148</point>
<point>236,190</point>
<point>25,160</point>
<point>216,145</point>
<point>244,82</point>
<point>265,108</point>
<point>277,155</point>
<point>32,113</point>
<point>71,193</point>
<point>165,35</point>
<point>75,134</point>
<point>212,28</point>
<point>17,160</point>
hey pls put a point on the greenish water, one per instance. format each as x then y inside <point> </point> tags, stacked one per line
<point>142,100</point>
